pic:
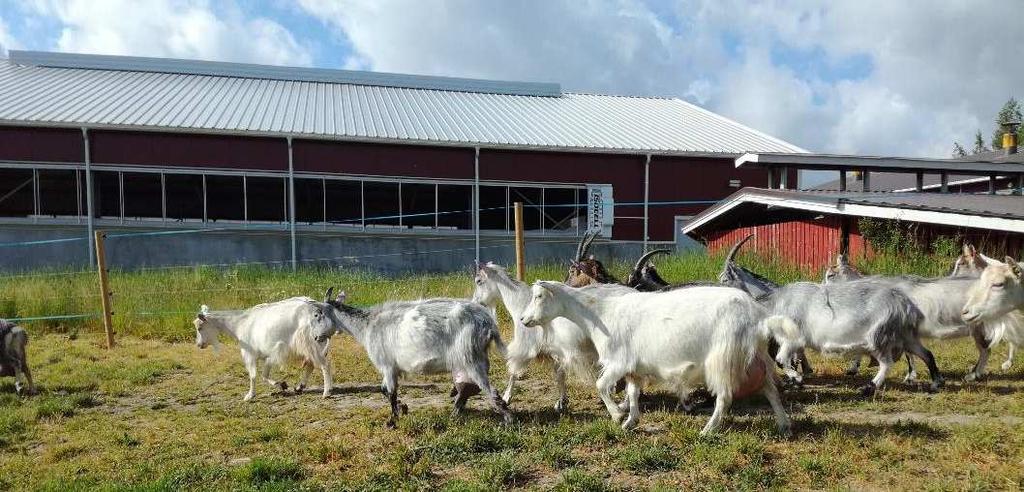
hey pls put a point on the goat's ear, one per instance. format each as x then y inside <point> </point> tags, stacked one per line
<point>329,294</point>
<point>1015,269</point>
<point>341,297</point>
<point>203,311</point>
<point>969,249</point>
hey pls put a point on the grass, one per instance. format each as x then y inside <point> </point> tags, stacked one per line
<point>156,413</point>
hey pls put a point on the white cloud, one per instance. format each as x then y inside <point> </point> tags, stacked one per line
<point>171,28</point>
<point>935,73</point>
<point>6,40</point>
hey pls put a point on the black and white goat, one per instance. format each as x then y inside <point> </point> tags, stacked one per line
<point>14,356</point>
<point>429,336</point>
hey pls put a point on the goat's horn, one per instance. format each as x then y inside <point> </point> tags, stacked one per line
<point>647,256</point>
<point>578,255</point>
<point>732,252</point>
<point>329,294</point>
<point>587,240</point>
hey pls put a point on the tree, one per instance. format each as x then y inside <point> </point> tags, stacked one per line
<point>958,150</point>
<point>979,144</point>
<point>1011,111</point>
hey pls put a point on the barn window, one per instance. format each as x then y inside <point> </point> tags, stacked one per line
<point>106,194</point>
<point>381,201</point>
<point>494,207</point>
<point>225,198</point>
<point>16,194</point>
<point>184,196</point>
<point>58,193</point>
<point>455,206</point>
<point>309,201</point>
<point>533,200</point>
<point>344,202</point>
<point>561,209</point>
<point>419,205</point>
<point>143,196</point>
<point>266,199</point>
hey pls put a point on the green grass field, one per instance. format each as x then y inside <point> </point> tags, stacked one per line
<point>156,413</point>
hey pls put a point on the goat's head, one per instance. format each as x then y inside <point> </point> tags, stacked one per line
<point>544,305</point>
<point>969,264</point>
<point>841,271</point>
<point>485,284</point>
<point>206,333</point>
<point>644,275</point>
<point>323,324</point>
<point>589,271</point>
<point>998,291</point>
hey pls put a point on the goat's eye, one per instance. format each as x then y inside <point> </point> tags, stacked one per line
<point>999,285</point>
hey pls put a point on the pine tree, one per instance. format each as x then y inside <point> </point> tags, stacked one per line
<point>958,150</point>
<point>979,143</point>
<point>1011,111</point>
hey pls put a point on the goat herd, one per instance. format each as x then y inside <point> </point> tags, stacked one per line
<point>718,335</point>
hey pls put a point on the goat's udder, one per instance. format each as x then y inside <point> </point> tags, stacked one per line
<point>754,381</point>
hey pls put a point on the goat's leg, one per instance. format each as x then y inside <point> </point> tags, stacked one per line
<point>267,366</point>
<point>805,365</point>
<point>250,365</point>
<point>389,386</point>
<point>911,372</point>
<point>784,357</point>
<point>604,384</point>
<point>19,375</point>
<point>633,395</point>
<point>884,363</point>
<point>915,347</point>
<point>325,369</point>
<point>31,387</point>
<point>978,371</point>
<point>722,403</point>
<point>562,405</point>
<point>307,369</point>
<point>1010,348</point>
<point>479,376</point>
<point>507,396</point>
<point>781,418</point>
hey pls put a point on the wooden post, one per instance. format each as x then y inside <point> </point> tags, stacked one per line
<point>520,243</point>
<point>106,296</point>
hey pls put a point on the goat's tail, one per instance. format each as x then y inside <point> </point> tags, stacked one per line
<point>782,329</point>
<point>499,344</point>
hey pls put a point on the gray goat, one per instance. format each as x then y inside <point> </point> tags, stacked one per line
<point>852,319</point>
<point>14,356</point>
<point>429,336</point>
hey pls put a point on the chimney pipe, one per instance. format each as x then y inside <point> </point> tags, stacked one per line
<point>1010,137</point>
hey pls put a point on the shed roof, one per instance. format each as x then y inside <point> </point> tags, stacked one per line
<point>56,89</point>
<point>997,212</point>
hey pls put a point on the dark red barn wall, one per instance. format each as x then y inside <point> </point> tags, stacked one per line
<point>810,244</point>
<point>691,179</point>
<point>41,144</point>
<point>383,160</point>
<point>188,150</point>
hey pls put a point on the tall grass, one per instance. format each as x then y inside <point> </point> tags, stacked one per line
<point>161,303</point>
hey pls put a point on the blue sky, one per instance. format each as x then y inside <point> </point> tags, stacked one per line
<point>865,76</point>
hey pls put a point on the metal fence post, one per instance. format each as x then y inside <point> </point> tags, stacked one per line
<point>106,296</point>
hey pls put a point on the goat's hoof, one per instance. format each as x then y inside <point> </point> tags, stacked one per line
<point>852,372</point>
<point>392,423</point>
<point>248,397</point>
<point>868,390</point>
<point>299,388</point>
<point>454,392</point>
<point>973,376</point>
<point>630,424</point>
<point>283,385</point>
<point>562,406</point>
<point>1006,366</point>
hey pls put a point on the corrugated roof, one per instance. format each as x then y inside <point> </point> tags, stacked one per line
<point>968,210</point>
<point>882,181</point>
<point>158,98</point>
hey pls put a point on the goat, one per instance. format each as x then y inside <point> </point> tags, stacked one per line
<point>714,335</point>
<point>568,347</point>
<point>271,333</point>
<point>853,318</point>
<point>996,293</point>
<point>1010,327</point>
<point>14,356</point>
<point>841,271</point>
<point>428,336</point>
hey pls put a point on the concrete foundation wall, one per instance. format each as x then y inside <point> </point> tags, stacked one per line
<point>381,252</point>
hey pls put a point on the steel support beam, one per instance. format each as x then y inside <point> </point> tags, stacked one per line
<point>88,196</point>
<point>647,198</point>
<point>476,203</point>
<point>291,204</point>
<point>842,180</point>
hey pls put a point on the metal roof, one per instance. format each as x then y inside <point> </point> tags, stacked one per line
<point>897,164</point>
<point>883,181</point>
<point>997,212</point>
<point>172,95</point>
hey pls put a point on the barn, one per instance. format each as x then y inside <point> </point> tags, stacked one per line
<point>188,162</point>
<point>976,199</point>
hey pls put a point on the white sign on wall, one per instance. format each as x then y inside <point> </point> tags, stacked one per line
<point>600,209</point>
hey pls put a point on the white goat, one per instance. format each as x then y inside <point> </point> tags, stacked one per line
<point>567,346</point>
<point>429,336</point>
<point>271,333</point>
<point>998,291</point>
<point>681,338</point>
<point>1009,327</point>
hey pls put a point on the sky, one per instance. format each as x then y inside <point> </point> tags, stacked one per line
<point>876,77</point>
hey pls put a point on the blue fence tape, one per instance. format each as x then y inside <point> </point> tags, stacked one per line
<point>59,316</point>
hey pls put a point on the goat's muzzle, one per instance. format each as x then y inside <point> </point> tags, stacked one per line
<point>529,322</point>
<point>322,338</point>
